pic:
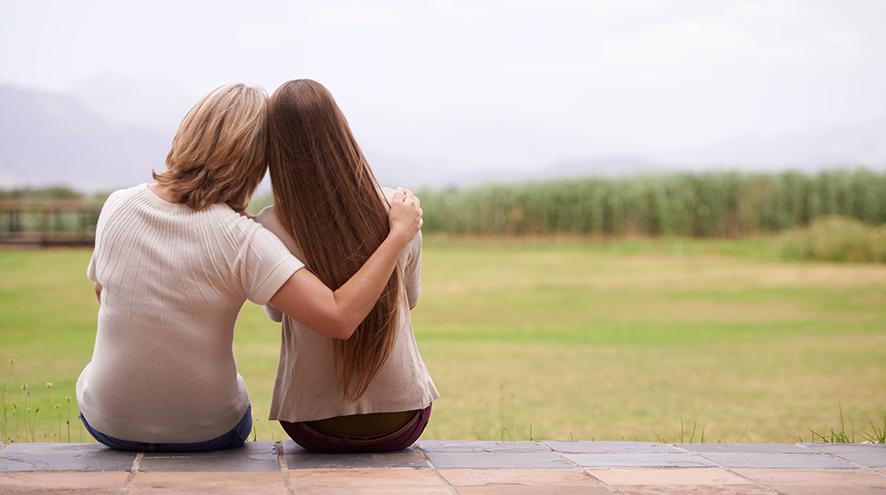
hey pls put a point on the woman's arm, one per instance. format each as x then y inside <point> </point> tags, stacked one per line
<point>337,314</point>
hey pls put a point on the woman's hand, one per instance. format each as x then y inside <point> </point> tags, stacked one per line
<point>405,216</point>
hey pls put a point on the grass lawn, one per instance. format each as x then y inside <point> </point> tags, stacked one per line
<point>569,339</point>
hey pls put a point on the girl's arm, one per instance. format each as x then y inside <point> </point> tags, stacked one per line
<point>338,313</point>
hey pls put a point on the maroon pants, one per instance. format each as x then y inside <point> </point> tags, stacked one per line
<point>312,439</point>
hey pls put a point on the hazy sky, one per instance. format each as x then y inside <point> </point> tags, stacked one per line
<point>474,84</point>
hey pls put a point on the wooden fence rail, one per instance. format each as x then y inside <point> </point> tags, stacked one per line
<point>48,223</point>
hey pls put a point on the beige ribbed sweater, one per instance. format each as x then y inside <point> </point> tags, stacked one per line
<point>306,388</point>
<point>173,281</point>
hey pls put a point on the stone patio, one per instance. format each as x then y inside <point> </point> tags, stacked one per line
<point>454,467</point>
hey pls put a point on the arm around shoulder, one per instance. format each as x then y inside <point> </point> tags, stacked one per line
<point>338,313</point>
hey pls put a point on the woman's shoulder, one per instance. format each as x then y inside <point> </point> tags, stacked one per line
<point>120,196</point>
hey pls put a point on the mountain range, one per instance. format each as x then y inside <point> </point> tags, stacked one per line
<point>110,132</point>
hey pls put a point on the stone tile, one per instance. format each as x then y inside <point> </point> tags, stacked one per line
<point>67,482</point>
<point>522,481</point>
<point>203,483</point>
<point>871,460</point>
<point>63,457</point>
<point>298,458</point>
<point>818,482</point>
<point>845,447</point>
<point>368,481</point>
<point>777,448</point>
<point>666,476</point>
<point>611,447</point>
<point>678,459</point>
<point>868,455</point>
<point>696,489</point>
<point>775,460</point>
<point>472,446</point>
<point>253,456</point>
<point>480,460</point>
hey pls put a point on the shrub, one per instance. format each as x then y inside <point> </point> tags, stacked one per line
<point>836,239</point>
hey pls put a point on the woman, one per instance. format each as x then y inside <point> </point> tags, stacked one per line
<point>372,392</point>
<point>173,263</point>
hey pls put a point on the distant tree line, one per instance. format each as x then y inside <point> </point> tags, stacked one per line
<point>36,194</point>
<point>701,204</point>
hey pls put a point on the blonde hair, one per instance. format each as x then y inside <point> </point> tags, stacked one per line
<point>218,152</point>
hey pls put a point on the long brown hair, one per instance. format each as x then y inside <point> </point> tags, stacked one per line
<point>330,202</point>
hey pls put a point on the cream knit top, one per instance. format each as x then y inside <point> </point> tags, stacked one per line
<point>173,281</point>
<point>306,388</point>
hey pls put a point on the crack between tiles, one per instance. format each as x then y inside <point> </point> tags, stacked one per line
<point>449,486</point>
<point>136,465</point>
<point>284,467</point>
<point>583,470</point>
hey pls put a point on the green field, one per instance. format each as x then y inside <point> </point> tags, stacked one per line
<point>570,338</point>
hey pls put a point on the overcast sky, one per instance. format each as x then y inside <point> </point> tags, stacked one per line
<point>488,84</point>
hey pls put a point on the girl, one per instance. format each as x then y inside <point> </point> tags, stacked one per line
<point>372,392</point>
<point>173,263</point>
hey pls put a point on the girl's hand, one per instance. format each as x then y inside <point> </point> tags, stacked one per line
<point>405,216</point>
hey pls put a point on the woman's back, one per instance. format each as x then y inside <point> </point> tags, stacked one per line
<point>173,281</point>
<point>307,388</point>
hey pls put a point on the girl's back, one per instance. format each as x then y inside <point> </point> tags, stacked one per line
<point>306,388</point>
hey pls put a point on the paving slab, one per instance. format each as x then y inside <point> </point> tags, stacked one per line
<point>63,457</point>
<point>523,481</point>
<point>695,489</point>
<point>393,481</point>
<point>670,460</point>
<point>818,482</point>
<point>667,476</point>
<point>477,446</point>
<point>845,447</point>
<point>678,481</point>
<point>208,483</point>
<point>481,460</point>
<point>99,483</point>
<point>775,460</point>
<point>776,448</point>
<point>298,458</point>
<point>611,447</point>
<point>868,455</point>
<point>253,456</point>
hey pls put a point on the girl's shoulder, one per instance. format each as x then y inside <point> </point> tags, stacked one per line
<point>388,192</point>
<point>269,219</point>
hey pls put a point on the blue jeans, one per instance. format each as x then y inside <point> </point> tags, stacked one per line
<point>231,439</point>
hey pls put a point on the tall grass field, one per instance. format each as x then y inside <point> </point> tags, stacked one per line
<point>701,204</point>
<point>546,338</point>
